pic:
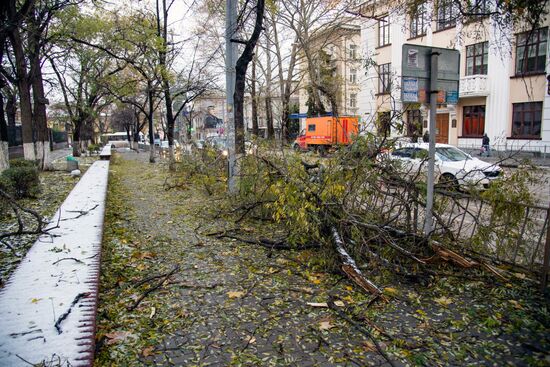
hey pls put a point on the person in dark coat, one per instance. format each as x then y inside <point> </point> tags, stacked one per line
<point>426,137</point>
<point>485,147</point>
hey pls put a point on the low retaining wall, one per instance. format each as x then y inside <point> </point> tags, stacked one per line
<point>48,307</point>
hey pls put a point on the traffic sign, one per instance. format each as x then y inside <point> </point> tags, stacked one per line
<point>416,65</point>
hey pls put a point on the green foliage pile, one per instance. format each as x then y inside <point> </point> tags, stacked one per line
<point>206,168</point>
<point>359,192</point>
<point>21,179</point>
<point>94,148</point>
<point>306,194</point>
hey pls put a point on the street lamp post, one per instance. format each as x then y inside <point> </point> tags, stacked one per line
<point>230,75</point>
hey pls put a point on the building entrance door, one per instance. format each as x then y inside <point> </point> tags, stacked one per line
<point>442,128</point>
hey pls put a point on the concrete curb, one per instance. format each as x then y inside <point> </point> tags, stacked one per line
<point>48,306</point>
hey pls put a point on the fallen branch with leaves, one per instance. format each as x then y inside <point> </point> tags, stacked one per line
<point>164,278</point>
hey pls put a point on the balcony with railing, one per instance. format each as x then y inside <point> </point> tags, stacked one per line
<point>473,86</point>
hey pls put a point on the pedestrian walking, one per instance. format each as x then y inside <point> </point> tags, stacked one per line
<point>426,137</point>
<point>485,147</point>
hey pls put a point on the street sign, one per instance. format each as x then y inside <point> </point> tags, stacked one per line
<point>435,70</point>
<point>416,65</point>
<point>410,89</point>
<point>452,97</point>
<point>297,115</point>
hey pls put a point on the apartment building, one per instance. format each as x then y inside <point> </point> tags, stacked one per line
<point>503,88</point>
<point>335,51</point>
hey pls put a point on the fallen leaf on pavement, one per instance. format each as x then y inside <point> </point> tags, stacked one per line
<point>443,301</point>
<point>317,304</point>
<point>236,294</point>
<point>148,351</point>
<point>117,336</point>
<point>325,325</point>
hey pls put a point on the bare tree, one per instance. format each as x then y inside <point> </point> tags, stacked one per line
<point>81,72</point>
<point>241,67</point>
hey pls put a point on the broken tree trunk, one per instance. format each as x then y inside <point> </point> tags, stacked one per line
<point>350,267</point>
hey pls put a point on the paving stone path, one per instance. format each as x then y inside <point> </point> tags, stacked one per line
<point>229,302</point>
<point>170,294</point>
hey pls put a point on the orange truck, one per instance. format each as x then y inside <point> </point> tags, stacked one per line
<point>323,133</point>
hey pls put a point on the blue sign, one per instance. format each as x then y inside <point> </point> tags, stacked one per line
<point>452,97</point>
<point>297,115</point>
<point>410,89</point>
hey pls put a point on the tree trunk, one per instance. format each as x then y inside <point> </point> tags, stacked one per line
<point>189,127</point>
<point>77,127</point>
<point>4,152</point>
<point>268,88</point>
<point>287,93</point>
<point>240,78</point>
<point>254,99</point>
<point>24,95</point>
<point>11,112</point>
<point>170,121</point>
<point>150,120</point>
<point>269,117</point>
<point>285,119</point>
<point>40,118</point>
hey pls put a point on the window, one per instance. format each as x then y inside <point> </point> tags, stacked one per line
<point>420,153</point>
<point>446,14</point>
<point>478,9</point>
<point>476,58</point>
<point>384,31</point>
<point>531,51</point>
<point>384,81</point>
<point>384,123</point>
<point>473,121</point>
<point>414,123</point>
<point>403,152</point>
<point>311,127</point>
<point>353,100</point>
<point>353,76</point>
<point>526,120</point>
<point>353,52</point>
<point>419,21</point>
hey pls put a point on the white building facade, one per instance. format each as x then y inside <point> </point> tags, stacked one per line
<point>503,88</point>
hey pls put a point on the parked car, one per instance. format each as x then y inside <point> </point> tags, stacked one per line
<point>454,169</point>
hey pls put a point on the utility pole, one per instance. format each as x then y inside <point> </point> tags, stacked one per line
<point>428,224</point>
<point>230,60</point>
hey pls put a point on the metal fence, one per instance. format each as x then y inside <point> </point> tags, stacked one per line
<point>508,151</point>
<point>514,235</point>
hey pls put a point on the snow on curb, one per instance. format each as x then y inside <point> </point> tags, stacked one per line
<point>48,307</point>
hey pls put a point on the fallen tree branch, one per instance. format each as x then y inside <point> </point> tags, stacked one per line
<point>81,213</point>
<point>264,242</point>
<point>68,258</point>
<point>152,289</point>
<point>17,209</point>
<point>350,267</point>
<point>66,314</point>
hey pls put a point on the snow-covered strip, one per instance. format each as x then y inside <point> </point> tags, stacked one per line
<point>48,307</point>
<point>105,152</point>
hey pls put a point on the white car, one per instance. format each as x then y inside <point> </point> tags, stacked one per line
<point>454,168</point>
